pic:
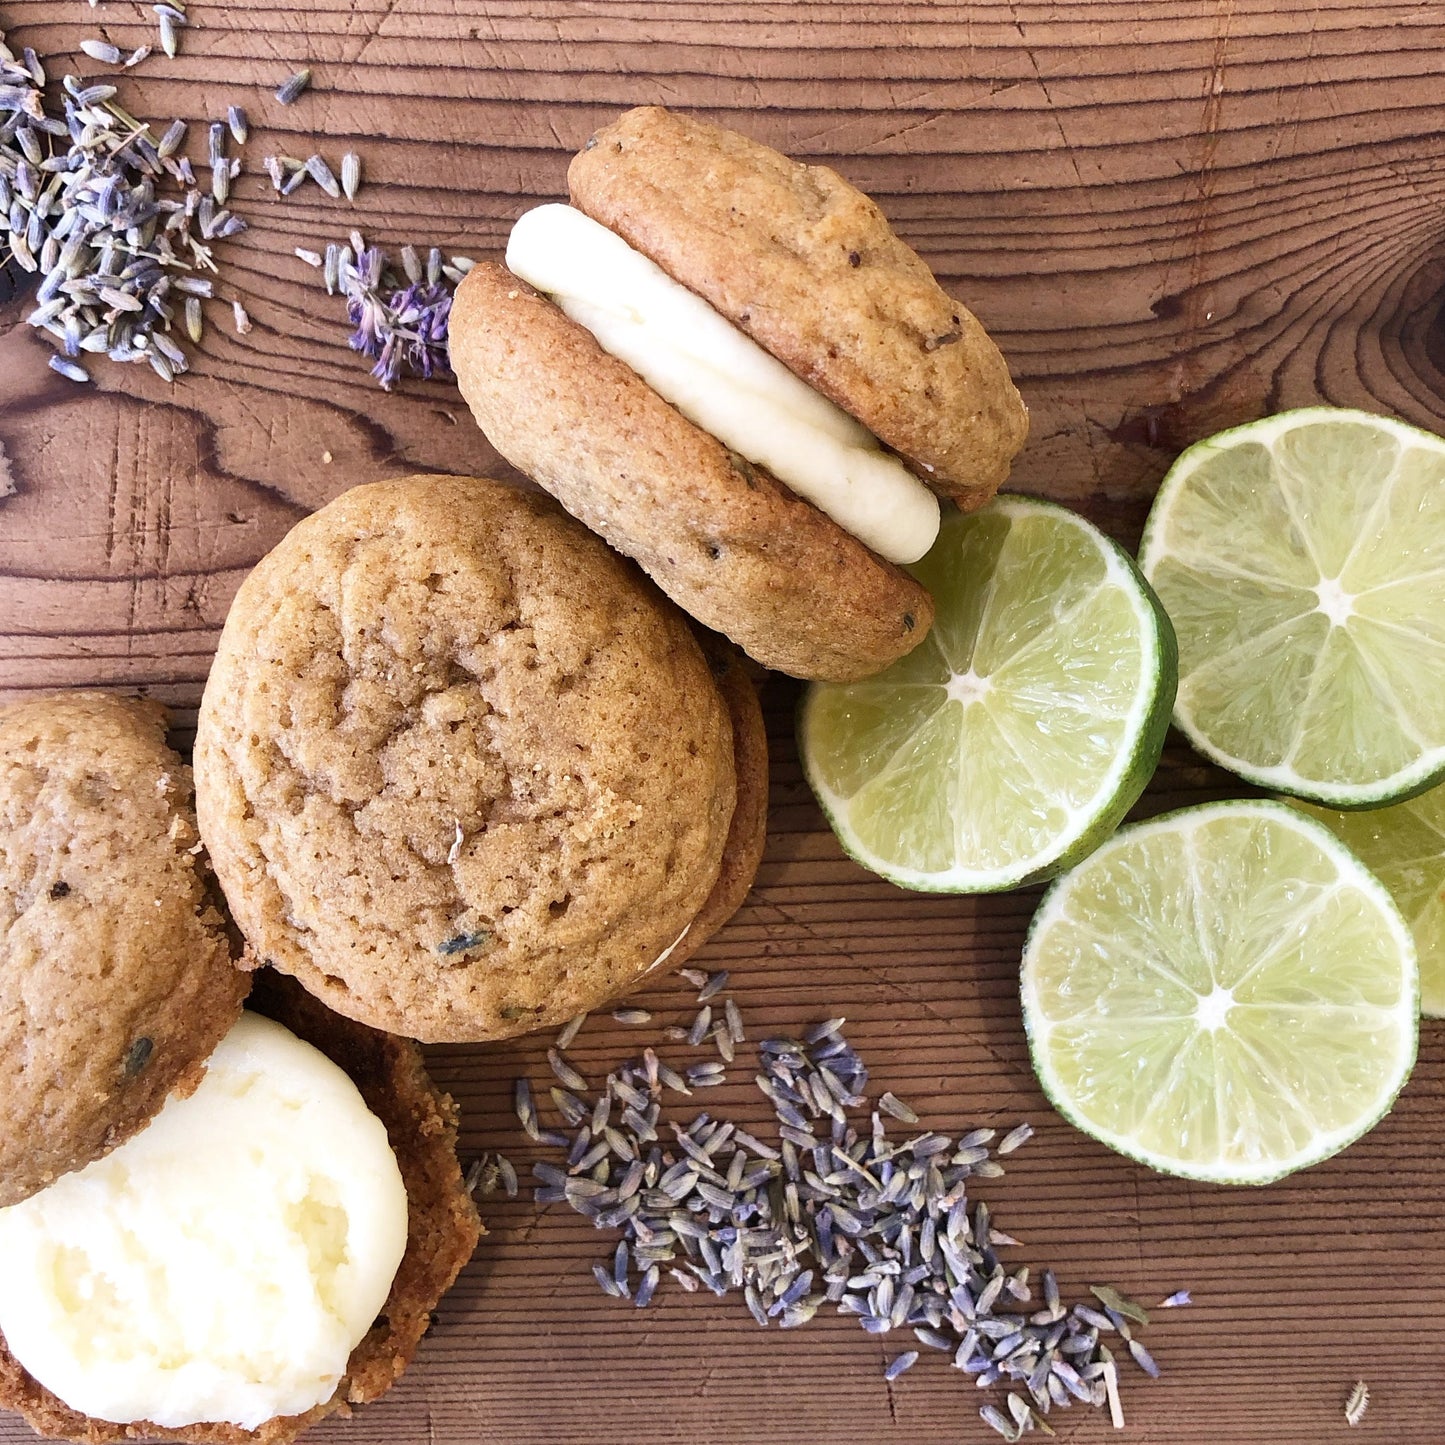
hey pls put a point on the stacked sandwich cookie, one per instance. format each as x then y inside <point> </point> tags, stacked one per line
<point>744,380</point>
<point>218,1225</point>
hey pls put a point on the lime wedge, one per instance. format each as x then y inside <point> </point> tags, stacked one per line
<point>1225,993</point>
<point>1404,847</point>
<point>1018,734</point>
<point>1302,561</point>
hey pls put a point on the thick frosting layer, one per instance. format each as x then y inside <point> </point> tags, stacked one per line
<point>223,1263</point>
<point>723,380</point>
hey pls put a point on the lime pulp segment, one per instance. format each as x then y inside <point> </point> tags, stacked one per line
<point>1224,993</point>
<point>1404,847</point>
<point>1302,561</point>
<point>1021,730</point>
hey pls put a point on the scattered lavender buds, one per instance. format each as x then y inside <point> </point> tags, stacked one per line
<point>400,318</point>
<point>899,1364</point>
<point>836,1213</point>
<point>324,177</point>
<point>570,1029</point>
<point>81,207</point>
<point>1014,1138</point>
<point>490,1173</point>
<point>68,369</point>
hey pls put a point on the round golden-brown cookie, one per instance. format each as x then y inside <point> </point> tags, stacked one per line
<point>809,267</point>
<point>442,1232</point>
<point>116,980</point>
<point>725,540</point>
<point>460,769</point>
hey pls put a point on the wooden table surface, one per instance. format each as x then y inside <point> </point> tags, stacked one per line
<point>1173,215</point>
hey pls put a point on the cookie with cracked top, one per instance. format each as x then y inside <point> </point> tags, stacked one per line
<point>461,770</point>
<point>116,978</point>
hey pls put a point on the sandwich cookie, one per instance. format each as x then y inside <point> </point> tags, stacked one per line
<point>743,378</point>
<point>266,1252</point>
<point>461,770</point>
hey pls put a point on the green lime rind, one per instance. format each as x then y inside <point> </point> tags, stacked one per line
<point>1119,788</point>
<point>1339,793</point>
<point>1404,1011</point>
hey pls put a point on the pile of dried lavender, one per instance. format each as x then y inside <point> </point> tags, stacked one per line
<point>119,263</point>
<point>400,315</point>
<point>881,1229</point>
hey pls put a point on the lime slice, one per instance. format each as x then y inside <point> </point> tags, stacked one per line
<point>1018,734</point>
<point>1302,561</point>
<point>1225,993</point>
<point>1404,847</point>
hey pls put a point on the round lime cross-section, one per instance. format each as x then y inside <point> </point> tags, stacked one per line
<point>1018,734</point>
<point>1225,993</point>
<point>1302,561</point>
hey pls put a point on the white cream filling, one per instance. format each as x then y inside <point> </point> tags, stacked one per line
<point>222,1264</point>
<point>723,380</point>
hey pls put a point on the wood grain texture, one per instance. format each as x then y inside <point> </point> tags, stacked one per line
<point>1173,215</point>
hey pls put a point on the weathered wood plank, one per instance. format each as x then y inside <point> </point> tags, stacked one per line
<point>1173,214</point>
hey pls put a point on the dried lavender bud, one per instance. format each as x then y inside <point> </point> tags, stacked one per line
<point>322,174</point>
<point>101,50</point>
<point>291,91</point>
<point>170,20</point>
<point>69,369</point>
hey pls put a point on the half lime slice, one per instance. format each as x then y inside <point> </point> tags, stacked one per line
<point>1013,740</point>
<point>1302,561</point>
<point>1404,847</point>
<point>1224,993</point>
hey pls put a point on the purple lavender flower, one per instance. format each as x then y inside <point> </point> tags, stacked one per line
<point>399,324</point>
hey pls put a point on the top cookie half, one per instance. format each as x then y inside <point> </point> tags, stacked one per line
<point>116,979</point>
<point>809,267</point>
